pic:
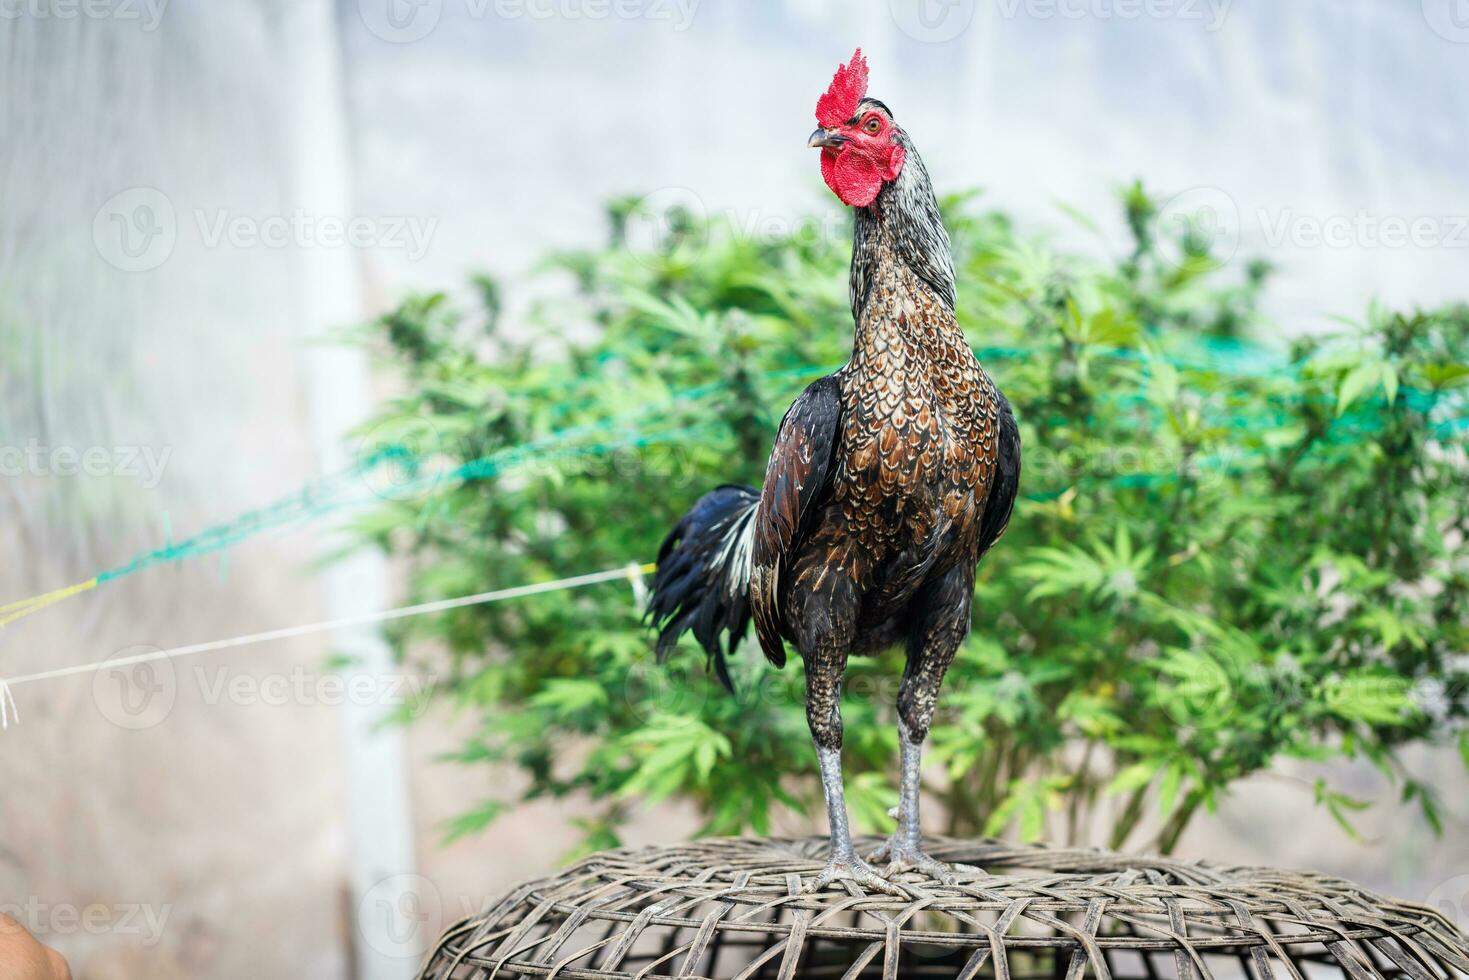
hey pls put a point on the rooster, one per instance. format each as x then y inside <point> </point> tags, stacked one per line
<point>888,481</point>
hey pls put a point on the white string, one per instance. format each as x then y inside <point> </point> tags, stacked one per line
<point>6,698</point>
<point>422,608</point>
<point>634,573</point>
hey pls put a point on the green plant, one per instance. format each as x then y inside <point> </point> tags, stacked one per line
<point>1224,555</point>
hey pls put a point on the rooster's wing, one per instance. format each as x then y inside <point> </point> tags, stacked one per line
<point>797,477</point>
<point>1006,484</point>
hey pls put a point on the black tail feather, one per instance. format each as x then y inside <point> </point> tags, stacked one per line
<point>703,579</point>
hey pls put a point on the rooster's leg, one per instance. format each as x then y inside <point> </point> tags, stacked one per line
<point>941,629</point>
<point>904,850</point>
<point>823,714</point>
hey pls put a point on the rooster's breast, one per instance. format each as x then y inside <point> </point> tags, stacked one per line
<point>909,474</point>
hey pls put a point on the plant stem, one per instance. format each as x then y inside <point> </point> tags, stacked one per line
<point>1131,814</point>
<point>1177,823</point>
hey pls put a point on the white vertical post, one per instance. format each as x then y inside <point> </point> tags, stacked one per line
<point>390,907</point>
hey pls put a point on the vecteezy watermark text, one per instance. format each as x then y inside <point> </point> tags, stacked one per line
<point>299,229</point>
<point>406,21</point>
<point>304,687</point>
<point>136,230</point>
<point>1207,221</point>
<point>134,919</point>
<point>147,13</point>
<point>1210,13</point>
<point>140,694</point>
<point>937,21</point>
<point>142,463</point>
<point>1363,229</point>
<point>679,13</point>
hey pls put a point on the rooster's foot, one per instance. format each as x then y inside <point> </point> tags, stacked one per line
<point>902,856</point>
<point>852,868</point>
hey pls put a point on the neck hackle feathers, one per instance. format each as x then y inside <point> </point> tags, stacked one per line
<point>848,86</point>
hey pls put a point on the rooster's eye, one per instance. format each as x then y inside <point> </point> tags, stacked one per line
<point>873,125</point>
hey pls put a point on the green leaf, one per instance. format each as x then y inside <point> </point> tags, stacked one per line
<point>1390,383</point>
<point>1441,376</point>
<point>1340,806</point>
<point>870,797</point>
<point>1427,803</point>
<point>570,695</point>
<point>473,821</point>
<point>1168,788</point>
<point>1356,381</point>
<point>1032,819</point>
<point>1135,776</point>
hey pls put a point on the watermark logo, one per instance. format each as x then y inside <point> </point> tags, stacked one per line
<point>1449,19</point>
<point>652,689</point>
<point>1194,687</point>
<point>398,915</point>
<point>135,696</point>
<point>136,230</point>
<point>670,224</point>
<point>400,459</point>
<point>932,21</point>
<point>1451,900</point>
<point>400,21</point>
<point>1199,225</point>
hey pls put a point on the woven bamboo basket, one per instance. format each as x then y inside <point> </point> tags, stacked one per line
<point>732,908</point>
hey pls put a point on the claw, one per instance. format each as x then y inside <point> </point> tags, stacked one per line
<point>903,858</point>
<point>852,869</point>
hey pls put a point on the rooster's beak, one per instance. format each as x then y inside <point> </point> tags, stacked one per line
<point>825,138</point>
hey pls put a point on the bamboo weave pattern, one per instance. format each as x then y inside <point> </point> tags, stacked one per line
<point>732,908</point>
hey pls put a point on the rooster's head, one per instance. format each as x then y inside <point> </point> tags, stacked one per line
<point>861,146</point>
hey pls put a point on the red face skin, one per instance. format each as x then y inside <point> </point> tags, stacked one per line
<point>870,156</point>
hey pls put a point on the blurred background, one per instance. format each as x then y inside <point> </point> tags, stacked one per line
<point>196,196</point>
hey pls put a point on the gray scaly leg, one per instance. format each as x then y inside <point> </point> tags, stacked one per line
<point>823,691</point>
<point>904,850</point>
<point>941,626</point>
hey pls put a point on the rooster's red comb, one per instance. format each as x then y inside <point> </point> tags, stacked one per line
<point>847,87</point>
